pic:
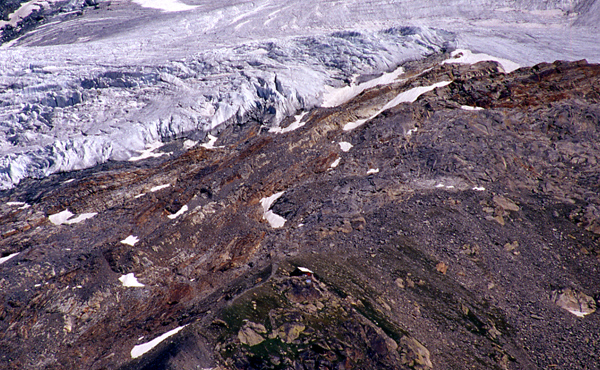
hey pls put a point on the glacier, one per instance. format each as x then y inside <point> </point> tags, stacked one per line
<point>115,78</point>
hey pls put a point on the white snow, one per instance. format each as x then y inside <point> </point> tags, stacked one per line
<point>183,210</point>
<point>130,240</point>
<point>409,96</point>
<point>335,163</point>
<point>149,152</point>
<point>188,144</point>
<point>65,217</point>
<point>293,126</point>
<point>334,97</point>
<point>61,217</point>
<point>4,259</point>
<point>159,187</point>
<point>141,349</point>
<point>139,195</point>
<point>373,171</point>
<point>305,270</point>
<point>464,56</point>
<point>273,219</point>
<point>211,143</point>
<point>165,5</point>
<point>468,107</point>
<point>345,146</point>
<point>80,218</point>
<point>14,204</point>
<point>130,280</point>
<point>21,205</point>
<point>479,188</point>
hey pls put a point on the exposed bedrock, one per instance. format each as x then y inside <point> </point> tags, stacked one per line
<point>458,231</point>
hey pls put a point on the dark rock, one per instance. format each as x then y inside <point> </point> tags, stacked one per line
<point>454,255</point>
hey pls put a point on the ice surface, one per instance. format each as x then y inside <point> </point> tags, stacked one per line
<point>130,240</point>
<point>91,89</point>
<point>408,96</point>
<point>130,280</point>
<point>181,211</point>
<point>141,349</point>
<point>4,259</point>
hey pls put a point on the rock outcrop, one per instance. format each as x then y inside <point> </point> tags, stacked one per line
<point>444,237</point>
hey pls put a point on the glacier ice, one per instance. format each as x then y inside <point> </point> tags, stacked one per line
<point>84,90</point>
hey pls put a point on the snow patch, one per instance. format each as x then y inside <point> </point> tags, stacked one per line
<point>189,144</point>
<point>61,217</point>
<point>293,126</point>
<point>179,213</point>
<point>479,188</point>
<point>130,240</point>
<point>464,56</point>
<point>148,152</point>
<point>373,171</point>
<point>80,218</point>
<point>345,146</point>
<point>273,219</point>
<point>130,280</point>
<point>141,349</point>
<point>409,96</point>
<point>335,163</point>
<point>211,143</point>
<point>468,107</point>
<point>159,187</point>
<point>4,259</point>
<point>164,5</point>
<point>334,97</point>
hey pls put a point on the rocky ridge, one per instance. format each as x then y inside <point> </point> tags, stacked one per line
<point>455,231</point>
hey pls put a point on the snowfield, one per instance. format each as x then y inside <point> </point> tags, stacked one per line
<point>84,90</point>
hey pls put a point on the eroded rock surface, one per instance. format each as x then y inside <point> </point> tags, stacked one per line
<point>446,257</point>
